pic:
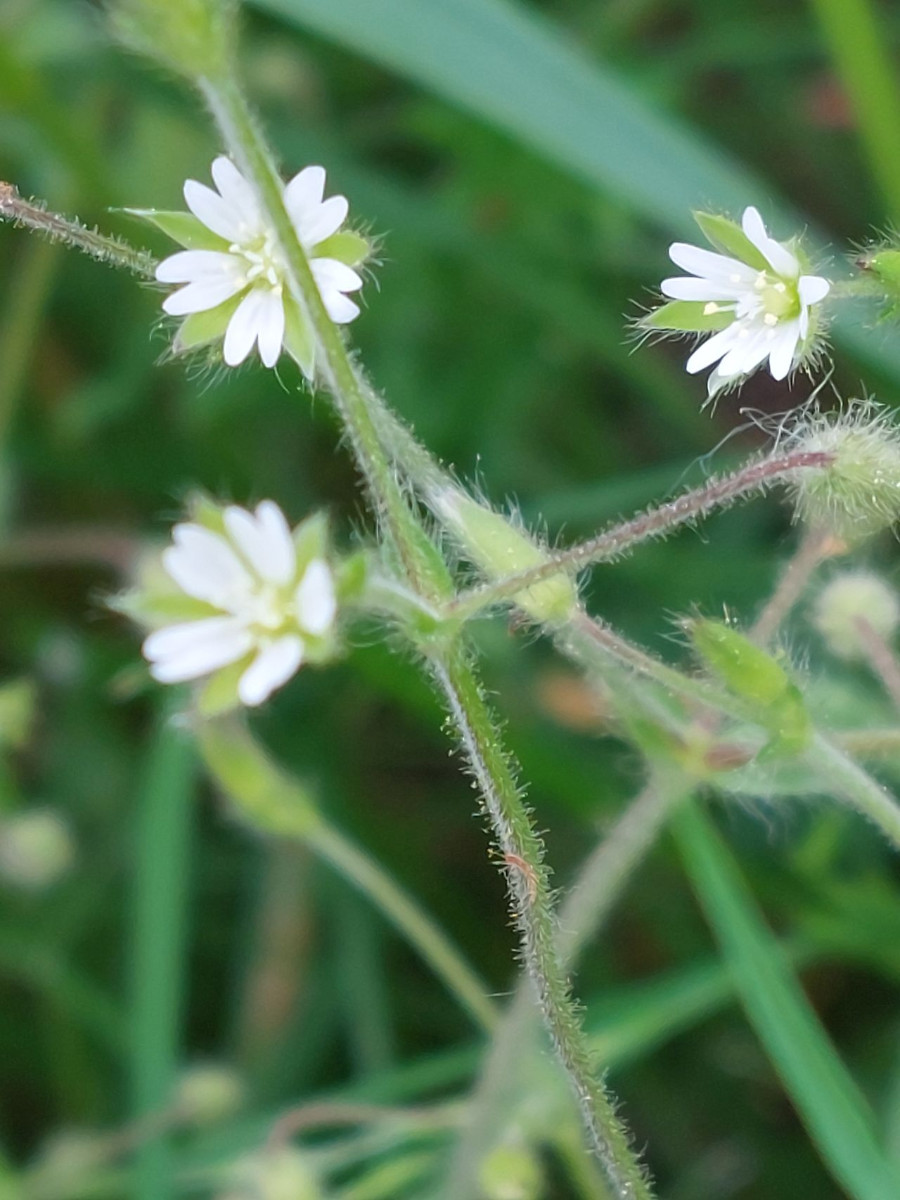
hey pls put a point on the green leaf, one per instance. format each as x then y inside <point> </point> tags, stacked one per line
<point>200,328</point>
<point>822,1091</point>
<point>299,340</point>
<point>687,316</point>
<point>182,227</point>
<point>347,247</point>
<point>728,237</point>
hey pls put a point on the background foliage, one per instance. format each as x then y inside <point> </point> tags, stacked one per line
<point>525,166</point>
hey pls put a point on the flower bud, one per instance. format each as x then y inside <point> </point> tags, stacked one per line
<point>494,544</point>
<point>36,849</point>
<point>193,37</point>
<point>848,598</point>
<point>858,493</point>
<point>208,1093</point>
<point>881,269</point>
<point>756,677</point>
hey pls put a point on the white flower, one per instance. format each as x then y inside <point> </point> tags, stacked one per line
<point>233,266</point>
<point>765,304</point>
<point>261,610</point>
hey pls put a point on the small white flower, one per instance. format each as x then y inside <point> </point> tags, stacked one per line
<point>254,606</point>
<point>233,267</point>
<point>764,306</point>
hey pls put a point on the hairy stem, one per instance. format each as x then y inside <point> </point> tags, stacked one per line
<point>815,547</point>
<point>881,658</point>
<point>657,522</point>
<point>599,884</point>
<point>839,775</point>
<point>532,911</point>
<point>348,392</point>
<point>111,250</point>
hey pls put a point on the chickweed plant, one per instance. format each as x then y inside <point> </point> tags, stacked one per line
<point>267,269</point>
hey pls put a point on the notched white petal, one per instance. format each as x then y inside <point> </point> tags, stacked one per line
<point>273,666</point>
<point>315,601</point>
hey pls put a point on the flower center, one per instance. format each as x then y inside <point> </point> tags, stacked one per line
<point>266,609</point>
<point>263,262</point>
<point>779,298</point>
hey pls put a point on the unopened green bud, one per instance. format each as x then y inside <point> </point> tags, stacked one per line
<point>511,1172</point>
<point>751,673</point>
<point>36,849</point>
<point>848,599</point>
<point>857,493</point>
<point>208,1093</point>
<point>193,37</point>
<point>881,267</point>
<point>495,545</point>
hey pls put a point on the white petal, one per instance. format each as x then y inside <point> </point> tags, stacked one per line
<point>243,328</point>
<point>314,599</point>
<point>199,657</point>
<point>712,349</point>
<point>175,639</point>
<point>686,288</point>
<point>781,357</point>
<point>273,666</point>
<point>303,195</point>
<point>341,309</point>
<point>330,273</point>
<point>812,289</point>
<point>205,567</point>
<point>264,539</point>
<point>709,265</point>
<point>188,265</point>
<point>199,296</point>
<point>324,221</point>
<point>271,328</point>
<point>779,257</point>
<point>747,353</point>
<point>209,208</point>
<point>238,195</point>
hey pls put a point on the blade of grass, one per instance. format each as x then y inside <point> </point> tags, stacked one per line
<point>158,938</point>
<point>858,48</point>
<point>512,68</point>
<point>824,1094</point>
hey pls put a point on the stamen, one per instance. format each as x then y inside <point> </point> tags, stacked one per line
<point>770,319</point>
<point>711,308</point>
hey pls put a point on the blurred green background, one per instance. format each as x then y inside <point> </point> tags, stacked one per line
<point>525,166</point>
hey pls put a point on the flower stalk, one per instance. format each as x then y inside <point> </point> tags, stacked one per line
<point>68,232</point>
<point>532,912</point>
<point>418,558</point>
<point>656,522</point>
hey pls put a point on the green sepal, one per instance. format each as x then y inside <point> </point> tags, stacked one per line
<point>200,328</point>
<point>687,316</point>
<point>727,237</point>
<point>203,510</point>
<point>299,340</point>
<point>350,577</point>
<point>311,540</point>
<point>183,228</point>
<point>346,246</point>
<point>219,695</point>
<point>789,725</point>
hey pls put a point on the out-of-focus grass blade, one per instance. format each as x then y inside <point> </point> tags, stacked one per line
<point>160,895</point>
<point>513,69</point>
<point>825,1096</point>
